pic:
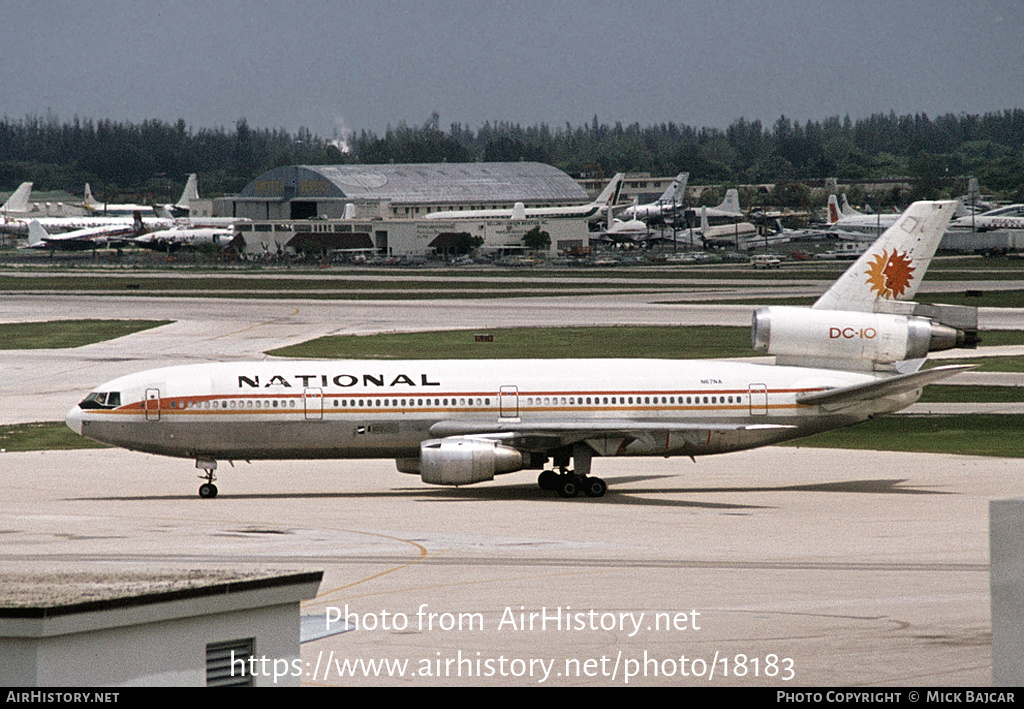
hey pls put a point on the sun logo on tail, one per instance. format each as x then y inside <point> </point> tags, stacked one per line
<point>889,275</point>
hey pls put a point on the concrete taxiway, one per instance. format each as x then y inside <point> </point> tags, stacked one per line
<point>782,566</point>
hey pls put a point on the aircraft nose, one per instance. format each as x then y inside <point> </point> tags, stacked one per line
<point>74,420</point>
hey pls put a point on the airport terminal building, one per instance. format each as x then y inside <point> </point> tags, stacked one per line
<point>381,209</point>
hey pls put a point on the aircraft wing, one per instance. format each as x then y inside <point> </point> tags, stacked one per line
<point>883,387</point>
<point>550,434</point>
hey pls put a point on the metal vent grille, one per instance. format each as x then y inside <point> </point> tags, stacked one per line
<point>227,663</point>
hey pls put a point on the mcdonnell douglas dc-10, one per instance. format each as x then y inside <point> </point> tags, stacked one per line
<point>855,354</point>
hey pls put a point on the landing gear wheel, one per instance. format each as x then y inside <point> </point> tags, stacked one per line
<point>594,487</point>
<point>207,490</point>
<point>548,480</point>
<point>568,486</point>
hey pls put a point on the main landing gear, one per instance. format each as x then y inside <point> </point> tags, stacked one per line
<point>570,483</point>
<point>207,490</point>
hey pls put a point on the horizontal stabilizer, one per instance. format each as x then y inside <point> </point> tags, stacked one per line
<point>883,387</point>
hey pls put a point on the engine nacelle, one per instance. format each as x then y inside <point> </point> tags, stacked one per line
<point>805,335</point>
<point>461,460</point>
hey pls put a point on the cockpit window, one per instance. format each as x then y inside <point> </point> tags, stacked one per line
<point>101,400</point>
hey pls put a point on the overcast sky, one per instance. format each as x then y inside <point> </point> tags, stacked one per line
<point>335,66</point>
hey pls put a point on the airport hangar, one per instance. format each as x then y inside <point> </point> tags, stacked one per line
<point>380,209</point>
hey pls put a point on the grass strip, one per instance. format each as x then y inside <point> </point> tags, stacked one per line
<point>61,334</point>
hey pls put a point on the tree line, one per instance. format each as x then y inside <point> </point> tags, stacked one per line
<point>151,159</point>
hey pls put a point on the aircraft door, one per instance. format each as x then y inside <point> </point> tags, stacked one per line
<point>508,402</point>
<point>758,399</point>
<point>152,404</point>
<point>313,401</point>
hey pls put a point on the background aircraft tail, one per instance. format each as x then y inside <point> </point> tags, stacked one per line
<point>36,234</point>
<point>731,203</point>
<point>833,210</point>
<point>18,201</point>
<point>190,194</point>
<point>674,193</point>
<point>90,201</point>
<point>610,194</point>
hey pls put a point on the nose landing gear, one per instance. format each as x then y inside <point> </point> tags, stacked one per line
<point>207,490</point>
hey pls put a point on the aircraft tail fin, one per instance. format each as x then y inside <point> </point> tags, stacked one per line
<point>866,321</point>
<point>610,194</point>
<point>36,234</point>
<point>138,226</point>
<point>731,203</point>
<point>190,194</point>
<point>833,210</point>
<point>90,202</point>
<point>18,201</point>
<point>891,269</point>
<point>973,189</point>
<point>847,210</point>
<point>674,192</point>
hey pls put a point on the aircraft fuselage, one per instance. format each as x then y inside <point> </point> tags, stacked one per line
<point>378,409</point>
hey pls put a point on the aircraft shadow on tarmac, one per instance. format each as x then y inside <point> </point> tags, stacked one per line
<point>641,496</point>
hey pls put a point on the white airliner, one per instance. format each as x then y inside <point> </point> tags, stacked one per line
<point>855,354</point>
<point>1010,216</point>
<point>598,208</point>
<point>848,223</point>
<point>667,205</point>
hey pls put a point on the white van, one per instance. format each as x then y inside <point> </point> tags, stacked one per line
<point>765,261</point>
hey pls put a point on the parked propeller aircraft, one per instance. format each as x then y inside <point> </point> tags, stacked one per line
<point>83,239</point>
<point>186,237</point>
<point>855,354</point>
<point>724,234</point>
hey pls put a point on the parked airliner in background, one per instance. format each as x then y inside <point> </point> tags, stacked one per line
<point>594,210</point>
<point>93,206</point>
<point>1010,216</point>
<point>178,237</point>
<point>666,206</point>
<point>848,223</point>
<point>855,354</point>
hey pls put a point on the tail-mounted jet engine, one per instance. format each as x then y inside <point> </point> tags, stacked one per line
<point>805,336</point>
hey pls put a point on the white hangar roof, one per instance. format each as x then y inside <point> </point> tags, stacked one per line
<point>426,183</point>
